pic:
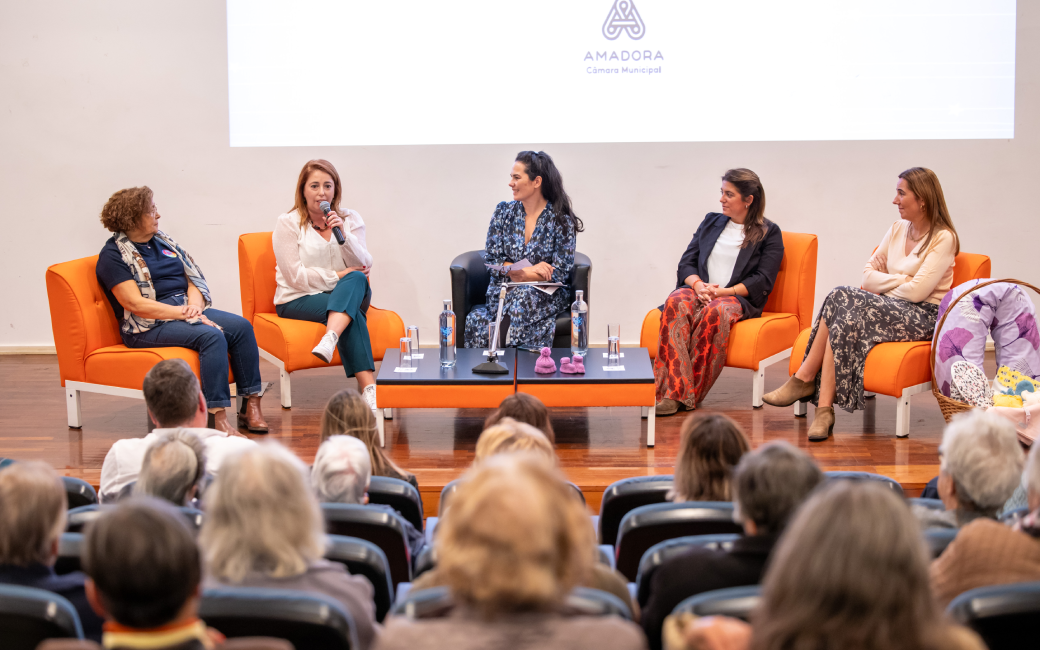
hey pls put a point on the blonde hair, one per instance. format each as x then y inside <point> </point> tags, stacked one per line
<point>316,165</point>
<point>261,516</point>
<point>508,436</point>
<point>515,538</point>
<point>32,512</point>
<point>710,446</point>
<point>348,414</point>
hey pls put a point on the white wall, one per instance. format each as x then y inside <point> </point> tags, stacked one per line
<point>97,96</point>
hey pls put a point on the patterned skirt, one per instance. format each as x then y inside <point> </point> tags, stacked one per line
<point>691,349</point>
<point>857,320</point>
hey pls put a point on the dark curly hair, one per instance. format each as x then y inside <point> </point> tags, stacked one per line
<point>125,207</point>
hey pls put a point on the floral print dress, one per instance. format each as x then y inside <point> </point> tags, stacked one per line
<point>529,313</point>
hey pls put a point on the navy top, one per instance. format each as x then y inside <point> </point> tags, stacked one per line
<point>756,266</point>
<point>69,586</point>
<point>164,265</point>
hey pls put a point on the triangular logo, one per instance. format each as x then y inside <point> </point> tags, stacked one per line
<point>624,17</point>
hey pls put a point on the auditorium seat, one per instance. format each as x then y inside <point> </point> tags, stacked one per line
<point>28,616</point>
<point>469,284</point>
<point>305,619</point>
<point>383,529</point>
<point>78,518</point>
<point>364,558</point>
<point>449,489</point>
<point>79,492</point>
<point>1005,616</point>
<point>399,495</point>
<point>70,549</point>
<point>664,551</point>
<point>735,602</point>
<point>627,494</point>
<point>931,504</point>
<point>890,483</point>
<point>91,354</point>
<point>437,602</point>
<point>649,525</point>
<point>285,342</point>
<point>903,369</point>
<point>937,539</point>
<point>756,343</point>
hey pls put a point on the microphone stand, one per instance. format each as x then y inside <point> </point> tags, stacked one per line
<point>492,366</point>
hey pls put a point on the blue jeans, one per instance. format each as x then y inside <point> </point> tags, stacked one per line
<point>236,344</point>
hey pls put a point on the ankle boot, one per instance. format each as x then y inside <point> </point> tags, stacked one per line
<point>667,407</point>
<point>220,423</point>
<point>795,390</point>
<point>823,424</point>
<point>253,417</point>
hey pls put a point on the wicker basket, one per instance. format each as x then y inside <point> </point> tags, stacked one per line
<point>949,406</point>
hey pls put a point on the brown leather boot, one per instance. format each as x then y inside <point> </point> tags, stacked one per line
<point>794,390</point>
<point>822,425</point>
<point>221,423</point>
<point>253,418</point>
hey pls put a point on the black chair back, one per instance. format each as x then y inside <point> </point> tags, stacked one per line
<point>437,602</point>
<point>625,495</point>
<point>931,504</point>
<point>70,548</point>
<point>425,561</point>
<point>28,616</point>
<point>584,601</point>
<point>648,525</point>
<point>890,483</point>
<point>449,491</point>
<point>937,539</point>
<point>1005,616</point>
<point>399,495</point>
<point>383,529</point>
<point>363,558</point>
<point>305,619</point>
<point>78,518</point>
<point>735,602</point>
<point>660,553</point>
<point>469,283</point>
<point>79,492</point>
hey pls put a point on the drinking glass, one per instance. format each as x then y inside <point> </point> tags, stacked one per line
<point>413,334</point>
<point>406,352</point>
<point>613,344</point>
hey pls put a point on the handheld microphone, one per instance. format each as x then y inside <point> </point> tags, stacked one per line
<point>327,209</point>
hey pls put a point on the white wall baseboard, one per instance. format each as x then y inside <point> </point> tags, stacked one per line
<point>26,349</point>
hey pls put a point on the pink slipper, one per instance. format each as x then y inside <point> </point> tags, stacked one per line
<point>575,367</point>
<point>566,366</point>
<point>545,364</point>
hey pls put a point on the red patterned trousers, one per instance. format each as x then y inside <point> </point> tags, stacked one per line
<point>691,350</point>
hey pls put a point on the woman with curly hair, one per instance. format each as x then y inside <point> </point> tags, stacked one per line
<point>160,296</point>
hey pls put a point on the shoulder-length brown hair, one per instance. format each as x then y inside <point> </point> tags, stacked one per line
<point>850,572</point>
<point>348,414</point>
<point>748,184</point>
<point>320,165</point>
<point>523,408</point>
<point>925,186</point>
<point>710,446</point>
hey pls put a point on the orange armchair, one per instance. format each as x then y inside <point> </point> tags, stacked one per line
<point>91,354</point>
<point>288,343</point>
<point>902,369</point>
<point>756,343</point>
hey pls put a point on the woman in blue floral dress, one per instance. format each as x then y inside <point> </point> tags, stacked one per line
<point>537,225</point>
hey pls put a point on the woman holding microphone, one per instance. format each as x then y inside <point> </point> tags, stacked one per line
<point>323,281</point>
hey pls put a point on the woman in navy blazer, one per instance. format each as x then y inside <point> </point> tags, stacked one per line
<point>725,276</point>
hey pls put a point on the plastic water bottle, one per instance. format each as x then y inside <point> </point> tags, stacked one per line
<point>447,336</point>
<point>579,325</point>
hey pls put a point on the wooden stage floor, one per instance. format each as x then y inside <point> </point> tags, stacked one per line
<point>597,446</point>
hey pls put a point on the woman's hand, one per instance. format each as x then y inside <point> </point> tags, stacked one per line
<point>350,269</point>
<point>190,311</point>
<point>333,221</point>
<point>206,321</point>
<point>705,292</point>
<point>542,271</point>
<point>879,262</point>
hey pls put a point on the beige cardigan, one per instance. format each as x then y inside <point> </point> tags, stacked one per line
<point>924,278</point>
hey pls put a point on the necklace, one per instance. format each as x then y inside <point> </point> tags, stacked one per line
<point>322,229</point>
<point>912,237</point>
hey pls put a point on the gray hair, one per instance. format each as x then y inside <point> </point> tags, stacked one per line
<point>342,470</point>
<point>980,452</point>
<point>770,483</point>
<point>32,512</point>
<point>1031,475</point>
<point>173,467</point>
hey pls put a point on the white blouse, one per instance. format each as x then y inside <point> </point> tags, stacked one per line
<point>723,257</point>
<point>306,264</point>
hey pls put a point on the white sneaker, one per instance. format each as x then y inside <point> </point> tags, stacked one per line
<point>326,347</point>
<point>370,396</point>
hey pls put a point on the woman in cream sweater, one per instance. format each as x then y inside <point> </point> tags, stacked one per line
<point>903,283</point>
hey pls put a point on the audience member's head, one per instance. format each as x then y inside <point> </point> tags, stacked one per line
<point>851,571</point>
<point>173,468</point>
<point>342,471</point>
<point>32,514</point>
<point>710,446</point>
<point>261,516</point>
<point>515,538</point>
<point>1031,478</point>
<point>172,395</point>
<point>143,564</point>
<point>348,414</point>
<point>769,484</point>
<point>980,465</point>
<point>509,436</point>
<point>523,408</point>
